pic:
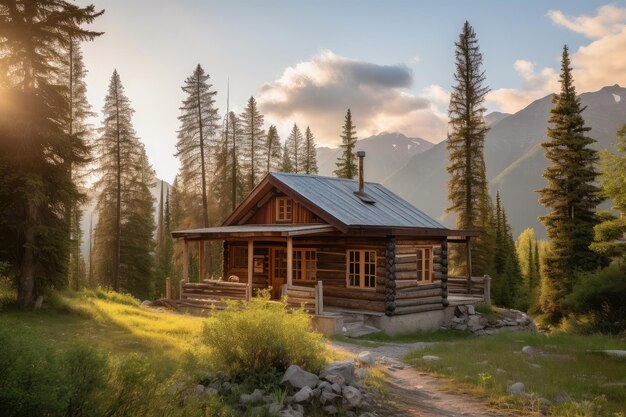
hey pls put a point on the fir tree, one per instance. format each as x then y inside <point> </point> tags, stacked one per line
<point>507,273</point>
<point>228,179</point>
<point>253,138</point>
<point>467,183</point>
<point>527,247</point>
<point>570,195</point>
<point>294,150</point>
<point>346,163</point>
<point>286,165</point>
<point>35,150</point>
<point>273,150</point>
<point>310,153</point>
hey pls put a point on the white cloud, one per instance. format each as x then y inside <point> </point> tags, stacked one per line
<point>609,20</point>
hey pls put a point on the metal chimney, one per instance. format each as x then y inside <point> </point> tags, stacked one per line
<point>360,155</point>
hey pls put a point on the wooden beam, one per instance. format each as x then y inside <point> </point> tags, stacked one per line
<point>250,266</point>
<point>186,261</point>
<point>468,246</point>
<point>201,261</point>
<point>289,261</point>
<point>168,289</point>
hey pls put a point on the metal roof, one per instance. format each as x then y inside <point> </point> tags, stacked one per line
<point>255,230</point>
<point>336,196</point>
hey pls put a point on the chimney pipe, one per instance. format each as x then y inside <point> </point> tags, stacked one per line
<point>360,155</point>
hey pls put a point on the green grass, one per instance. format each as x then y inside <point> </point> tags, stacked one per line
<point>413,337</point>
<point>489,364</point>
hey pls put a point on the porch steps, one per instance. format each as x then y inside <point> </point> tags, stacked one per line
<point>354,325</point>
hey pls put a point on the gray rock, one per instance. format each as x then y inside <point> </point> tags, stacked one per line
<point>352,397</point>
<point>471,310</point>
<point>256,396</point>
<point>615,353</point>
<point>336,388</point>
<point>290,412</point>
<point>324,385</point>
<point>331,410</point>
<point>366,358</point>
<point>328,397</point>
<point>430,358</point>
<point>335,379</point>
<point>299,378</point>
<point>343,368</point>
<point>361,373</point>
<point>316,393</point>
<point>516,389</point>
<point>473,323</point>
<point>460,311</point>
<point>146,303</point>
<point>274,409</point>
<point>305,394</point>
<point>529,350</point>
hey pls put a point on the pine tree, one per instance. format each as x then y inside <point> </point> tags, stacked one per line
<point>346,163</point>
<point>527,247</point>
<point>310,153</point>
<point>467,184</point>
<point>570,195</point>
<point>160,231</point>
<point>35,149</point>
<point>286,165</point>
<point>253,138</point>
<point>507,273</point>
<point>228,178</point>
<point>273,150</point>
<point>294,150</point>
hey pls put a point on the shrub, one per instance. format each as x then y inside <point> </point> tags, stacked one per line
<point>261,337</point>
<point>598,298</point>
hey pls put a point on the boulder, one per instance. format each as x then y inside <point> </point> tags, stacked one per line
<point>474,323</point>
<point>331,410</point>
<point>335,379</point>
<point>516,389</point>
<point>471,310</point>
<point>256,396</point>
<point>274,409</point>
<point>430,358</point>
<point>336,388</point>
<point>324,385</point>
<point>366,358</point>
<point>361,373</point>
<point>305,394</point>
<point>342,368</point>
<point>211,391</point>
<point>352,397</point>
<point>328,397</point>
<point>299,378</point>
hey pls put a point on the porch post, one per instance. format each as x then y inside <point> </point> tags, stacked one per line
<point>289,261</point>
<point>186,260</point>
<point>202,267</point>
<point>250,266</point>
<point>468,246</point>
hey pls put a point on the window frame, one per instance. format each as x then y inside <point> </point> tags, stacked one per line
<point>424,268</point>
<point>361,264</point>
<point>303,259</point>
<point>287,212</point>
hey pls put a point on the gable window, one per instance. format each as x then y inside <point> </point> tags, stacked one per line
<point>305,264</point>
<point>284,210</point>
<point>424,264</point>
<point>361,268</point>
<point>240,257</point>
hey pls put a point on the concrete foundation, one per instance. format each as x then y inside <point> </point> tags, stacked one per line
<point>407,323</point>
<point>325,324</point>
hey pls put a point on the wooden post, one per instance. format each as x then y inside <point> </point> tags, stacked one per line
<point>319,298</point>
<point>168,289</point>
<point>468,246</point>
<point>180,289</point>
<point>290,261</point>
<point>487,294</point>
<point>186,260</point>
<point>250,266</point>
<point>201,261</point>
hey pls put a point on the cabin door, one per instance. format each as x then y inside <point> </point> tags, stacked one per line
<point>278,271</point>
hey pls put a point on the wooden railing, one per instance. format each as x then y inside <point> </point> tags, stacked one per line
<point>211,294</point>
<point>478,286</point>
<point>309,298</point>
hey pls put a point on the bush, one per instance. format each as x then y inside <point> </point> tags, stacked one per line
<point>598,298</point>
<point>261,337</point>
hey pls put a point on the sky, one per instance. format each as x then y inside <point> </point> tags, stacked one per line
<point>306,62</point>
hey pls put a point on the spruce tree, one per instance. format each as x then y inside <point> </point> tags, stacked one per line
<point>507,273</point>
<point>527,247</point>
<point>294,150</point>
<point>286,165</point>
<point>467,183</point>
<point>570,195</point>
<point>346,163</point>
<point>310,153</point>
<point>273,150</point>
<point>35,148</point>
<point>229,181</point>
<point>253,138</point>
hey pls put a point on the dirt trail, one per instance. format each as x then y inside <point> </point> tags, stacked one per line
<point>416,393</point>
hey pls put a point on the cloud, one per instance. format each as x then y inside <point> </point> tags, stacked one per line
<point>317,92</point>
<point>609,20</point>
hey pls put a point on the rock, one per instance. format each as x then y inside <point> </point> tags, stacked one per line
<point>535,365</point>
<point>470,310</point>
<point>352,397</point>
<point>316,393</point>
<point>500,371</point>
<point>335,379</point>
<point>176,388</point>
<point>305,394</point>
<point>336,388</point>
<point>516,389</point>
<point>328,397</point>
<point>331,410</point>
<point>146,303</point>
<point>324,386</point>
<point>457,320</point>
<point>361,373</point>
<point>299,378</point>
<point>290,412</point>
<point>256,396</point>
<point>274,409</point>
<point>529,350</point>
<point>460,311</point>
<point>342,368</point>
<point>430,358</point>
<point>474,323</point>
<point>615,353</point>
<point>366,358</point>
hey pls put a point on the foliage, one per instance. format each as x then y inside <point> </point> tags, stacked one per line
<point>310,153</point>
<point>597,300</point>
<point>273,150</point>
<point>261,337</point>
<point>286,165</point>
<point>253,136</point>
<point>570,194</point>
<point>228,183</point>
<point>507,275</point>
<point>346,163</point>
<point>489,364</point>
<point>293,154</point>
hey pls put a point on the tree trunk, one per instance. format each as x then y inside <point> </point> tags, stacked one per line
<point>26,284</point>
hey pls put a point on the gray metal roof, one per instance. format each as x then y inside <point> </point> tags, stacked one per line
<point>336,197</point>
<point>251,230</point>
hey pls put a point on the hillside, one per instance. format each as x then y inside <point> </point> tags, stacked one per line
<point>513,156</point>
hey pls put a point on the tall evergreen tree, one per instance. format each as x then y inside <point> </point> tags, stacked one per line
<point>527,247</point>
<point>160,231</point>
<point>286,165</point>
<point>253,138</point>
<point>294,148</point>
<point>310,153</point>
<point>467,183</point>
<point>35,149</point>
<point>228,178</point>
<point>507,274</point>
<point>570,195</point>
<point>346,163</point>
<point>273,150</point>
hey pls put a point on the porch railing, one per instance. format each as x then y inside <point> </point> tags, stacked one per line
<point>310,298</point>
<point>478,287</point>
<point>211,293</point>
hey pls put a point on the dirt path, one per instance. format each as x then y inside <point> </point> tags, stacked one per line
<point>416,393</point>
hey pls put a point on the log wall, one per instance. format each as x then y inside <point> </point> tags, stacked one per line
<point>211,294</point>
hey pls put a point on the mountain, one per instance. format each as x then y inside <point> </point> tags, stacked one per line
<point>494,117</point>
<point>514,158</point>
<point>386,152</point>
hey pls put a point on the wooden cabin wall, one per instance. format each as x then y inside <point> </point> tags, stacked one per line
<point>266,214</point>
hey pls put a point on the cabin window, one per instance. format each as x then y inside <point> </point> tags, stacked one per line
<point>240,257</point>
<point>284,210</point>
<point>361,268</point>
<point>305,264</point>
<point>424,264</point>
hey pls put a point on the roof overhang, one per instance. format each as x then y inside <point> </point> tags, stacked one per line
<point>412,231</point>
<point>253,231</point>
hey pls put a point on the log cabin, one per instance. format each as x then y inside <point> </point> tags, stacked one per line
<point>333,245</point>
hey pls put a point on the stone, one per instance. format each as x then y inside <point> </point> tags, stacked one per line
<point>146,303</point>
<point>290,412</point>
<point>299,378</point>
<point>200,389</point>
<point>361,373</point>
<point>274,409</point>
<point>615,353</point>
<point>366,358</point>
<point>316,393</point>
<point>342,368</point>
<point>331,410</point>
<point>256,396</point>
<point>516,389</point>
<point>535,365</point>
<point>529,350</point>
<point>430,358</point>
<point>328,397</point>
<point>470,310</point>
<point>473,323</point>
<point>500,371</point>
<point>336,388</point>
<point>305,394</point>
<point>460,311</point>
<point>324,385</point>
<point>352,397</point>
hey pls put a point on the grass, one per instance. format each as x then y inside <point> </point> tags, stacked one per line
<point>413,337</point>
<point>488,365</point>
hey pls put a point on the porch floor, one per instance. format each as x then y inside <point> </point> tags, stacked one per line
<point>462,299</point>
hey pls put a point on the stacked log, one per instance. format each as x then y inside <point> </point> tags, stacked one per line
<point>444,273</point>
<point>390,277</point>
<point>211,294</point>
<point>458,285</point>
<point>301,297</point>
